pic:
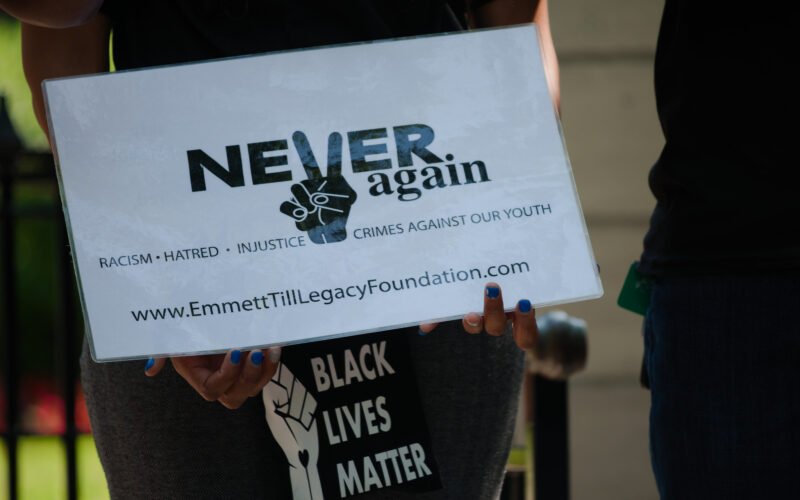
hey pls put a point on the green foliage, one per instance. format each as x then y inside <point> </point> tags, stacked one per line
<point>42,469</point>
<point>14,87</point>
<point>38,283</point>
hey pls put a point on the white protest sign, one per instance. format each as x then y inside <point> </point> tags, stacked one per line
<point>295,196</point>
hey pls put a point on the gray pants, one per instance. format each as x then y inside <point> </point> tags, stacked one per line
<point>158,439</point>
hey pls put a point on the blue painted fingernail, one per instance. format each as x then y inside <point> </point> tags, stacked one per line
<point>524,306</point>
<point>420,332</point>
<point>150,363</point>
<point>236,356</point>
<point>492,292</point>
<point>257,358</point>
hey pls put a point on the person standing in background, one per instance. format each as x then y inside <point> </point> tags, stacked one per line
<point>722,339</point>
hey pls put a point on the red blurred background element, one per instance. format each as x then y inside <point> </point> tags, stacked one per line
<point>42,408</point>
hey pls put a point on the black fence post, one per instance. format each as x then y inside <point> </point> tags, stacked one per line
<point>551,439</point>
<point>65,344</point>
<point>9,147</point>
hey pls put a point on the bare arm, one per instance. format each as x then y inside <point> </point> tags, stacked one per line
<point>53,53</point>
<point>507,12</point>
<point>52,13</point>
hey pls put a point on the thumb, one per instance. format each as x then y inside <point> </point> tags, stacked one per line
<point>153,366</point>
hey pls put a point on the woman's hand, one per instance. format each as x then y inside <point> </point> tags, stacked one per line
<point>495,319</point>
<point>229,378</point>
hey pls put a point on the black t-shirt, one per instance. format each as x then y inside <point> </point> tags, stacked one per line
<point>155,32</point>
<point>726,179</point>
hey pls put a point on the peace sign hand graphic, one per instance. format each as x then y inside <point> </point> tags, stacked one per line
<point>321,205</point>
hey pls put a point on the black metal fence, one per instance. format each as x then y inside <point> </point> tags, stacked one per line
<point>19,169</point>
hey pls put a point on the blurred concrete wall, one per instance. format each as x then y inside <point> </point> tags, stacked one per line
<point>608,109</point>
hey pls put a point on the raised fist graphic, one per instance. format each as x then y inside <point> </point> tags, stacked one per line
<point>320,205</point>
<point>291,416</point>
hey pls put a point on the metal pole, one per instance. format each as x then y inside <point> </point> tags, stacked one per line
<point>560,352</point>
<point>550,441</point>
<point>65,348</point>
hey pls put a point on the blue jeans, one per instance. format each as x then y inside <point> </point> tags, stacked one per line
<point>723,357</point>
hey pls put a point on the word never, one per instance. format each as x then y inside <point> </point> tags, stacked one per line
<point>369,152</point>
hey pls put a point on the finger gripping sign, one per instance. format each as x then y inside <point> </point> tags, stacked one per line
<point>347,415</point>
<point>305,195</point>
